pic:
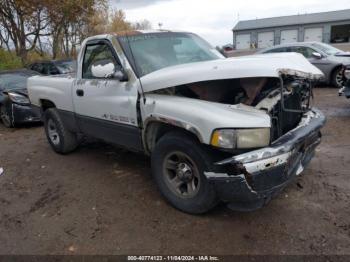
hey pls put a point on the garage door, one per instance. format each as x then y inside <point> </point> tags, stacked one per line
<point>289,36</point>
<point>266,39</point>
<point>313,35</point>
<point>243,41</point>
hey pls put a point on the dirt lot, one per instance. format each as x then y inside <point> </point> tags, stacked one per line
<point>101,200</point>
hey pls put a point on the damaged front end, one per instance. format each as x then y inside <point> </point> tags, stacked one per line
<point>250,180</point>
<point>253,112</point>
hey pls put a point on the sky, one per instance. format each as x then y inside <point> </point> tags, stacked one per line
<point>214,19</point>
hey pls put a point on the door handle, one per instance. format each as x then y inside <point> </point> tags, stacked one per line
<point>80,92</point>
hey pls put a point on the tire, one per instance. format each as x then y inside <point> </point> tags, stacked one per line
<point>6,117</point>
<point>337,78</point>
<point>61,140</point>
<point>194,196</point>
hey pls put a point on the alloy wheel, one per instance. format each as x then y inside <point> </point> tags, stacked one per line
<point>339,78</point>
<point>181,174</point>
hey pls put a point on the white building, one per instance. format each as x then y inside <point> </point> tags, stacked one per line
<point>328,27</point>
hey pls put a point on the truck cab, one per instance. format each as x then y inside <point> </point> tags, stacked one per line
<point>236,130</point>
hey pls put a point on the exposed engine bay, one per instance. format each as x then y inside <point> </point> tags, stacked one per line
<point>262,93</point>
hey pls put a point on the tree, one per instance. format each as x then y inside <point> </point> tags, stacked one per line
<point>142,25</point>
<point>118,22</point>
<point>22,23</point>
<point>57,26</point>
<point>98,22</point>
<point>69,22</point>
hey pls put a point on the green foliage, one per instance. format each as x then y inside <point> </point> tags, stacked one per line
<point>30,27</point>
<point>35,57</point>
<point>9,60</point>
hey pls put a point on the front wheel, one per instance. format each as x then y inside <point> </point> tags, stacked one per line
<point>61,140</point>
<point>338,78</point>
<point>6,117</point>
<point>178,166</point>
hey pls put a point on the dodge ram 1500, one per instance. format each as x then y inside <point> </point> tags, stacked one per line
<point>237,130</point>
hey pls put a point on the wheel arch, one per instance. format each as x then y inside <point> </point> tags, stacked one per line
<point>46,104</point>
<point>155,128</point>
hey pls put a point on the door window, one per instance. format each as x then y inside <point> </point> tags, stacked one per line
<point>95,55</point>
<point>38,68</point>
<point>305,51</point>
<point>52,69</point>
<point>45,69</point>
<point>278,50</point>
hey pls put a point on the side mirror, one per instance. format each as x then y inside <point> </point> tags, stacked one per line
<point>317,55</point>
<point>107,69</point>
<point>120,75</point>
<point>102,69</point>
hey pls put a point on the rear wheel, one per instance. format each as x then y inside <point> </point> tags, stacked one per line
<point>338,78</point>
<point>6,117</point>
<point>61,140</point>
<point>178,166</point>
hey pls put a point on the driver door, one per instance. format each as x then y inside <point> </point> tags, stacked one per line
<point>105,107</point>
<point>307,52</point>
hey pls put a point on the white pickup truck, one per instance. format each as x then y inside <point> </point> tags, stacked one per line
<point>236,130</point>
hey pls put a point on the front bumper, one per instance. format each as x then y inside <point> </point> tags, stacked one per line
<point>250,180</point>
<point>25,114</point>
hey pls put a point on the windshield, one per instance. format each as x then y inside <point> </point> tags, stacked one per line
<point>66,67</point>
<point>328,49</point>
<point>155,51</point>
<point>17,80</point>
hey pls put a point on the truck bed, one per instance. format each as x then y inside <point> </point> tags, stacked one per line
<point>45,87</point>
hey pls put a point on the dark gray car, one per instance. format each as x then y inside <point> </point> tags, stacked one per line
<point>328,59</point>
<point>54,67</point>
<point>15,107</point>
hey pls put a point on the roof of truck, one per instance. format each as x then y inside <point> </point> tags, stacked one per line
<point>131,33</point>
<point>154,31</point>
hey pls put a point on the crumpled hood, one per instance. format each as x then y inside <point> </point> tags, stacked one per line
<point>264,65</point>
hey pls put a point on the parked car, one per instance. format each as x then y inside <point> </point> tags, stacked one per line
<point>345,90</point>
<point>237,130</point>
<point>328,59</point>
<point>55,67</point>
<point>15,107</point>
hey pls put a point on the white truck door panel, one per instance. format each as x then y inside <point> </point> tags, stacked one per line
<point>105,107</point>
<point>108,100</point>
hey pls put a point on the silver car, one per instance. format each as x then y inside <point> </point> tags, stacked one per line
<point>328,59</point>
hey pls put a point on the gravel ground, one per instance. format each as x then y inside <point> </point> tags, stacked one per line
<point>102,200</point>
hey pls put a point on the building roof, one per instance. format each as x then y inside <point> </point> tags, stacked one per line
<point>332,16</point>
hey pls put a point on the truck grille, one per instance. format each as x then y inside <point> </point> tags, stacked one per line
<point>287,114</point>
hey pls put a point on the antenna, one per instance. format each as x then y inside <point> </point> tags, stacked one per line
<point>134,61</point>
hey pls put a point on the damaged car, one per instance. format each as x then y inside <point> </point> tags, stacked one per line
<point>236,130</point>
<point>15,107</point>
<point>329,59</point>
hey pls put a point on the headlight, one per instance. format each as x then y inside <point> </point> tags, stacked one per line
<point>347,73</point>
<point>241,138</point>
<point>19,99</point>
